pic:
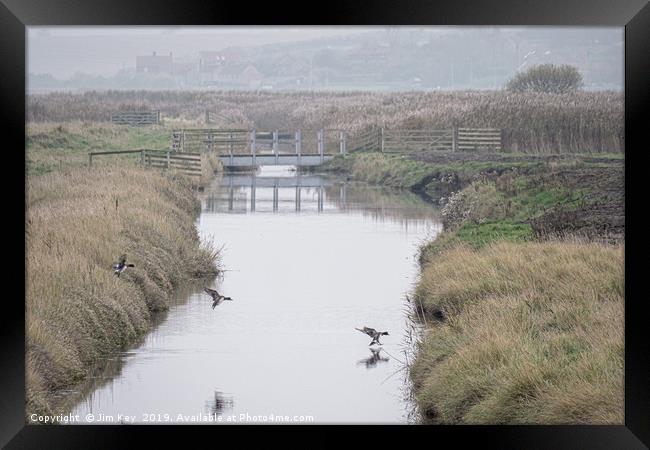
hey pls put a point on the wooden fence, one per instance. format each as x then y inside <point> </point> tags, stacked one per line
<point>366,140</point>
<point>186,163</point>
<point>136,118</point>
<point>478,138</point>
<point>332,141</point>
<point>398,141</point>
<point>212,118</point>
<point>412,140</point>
<point>221,141</point>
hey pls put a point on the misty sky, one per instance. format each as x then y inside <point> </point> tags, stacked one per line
<point>63,51</point>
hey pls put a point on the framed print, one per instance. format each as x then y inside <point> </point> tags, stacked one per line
<point>371,215</point>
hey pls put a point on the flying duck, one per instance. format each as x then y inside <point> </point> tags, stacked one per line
<point>374,334</point>
<point>121,265</point>
<point>216,297</point>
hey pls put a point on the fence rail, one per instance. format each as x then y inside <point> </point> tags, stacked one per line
<point>260,142</point>
<point>136,118</point>
<point>367,140</point>
<point>479,138</point>
<point>186,163</point>
<point>333,141</point>
<point>395,141</point>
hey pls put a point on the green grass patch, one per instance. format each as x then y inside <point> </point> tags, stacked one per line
<point>51,146</point>
<point>479,235</point>
<point>531,203</point>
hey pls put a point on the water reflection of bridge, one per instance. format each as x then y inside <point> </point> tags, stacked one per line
<point>241,190</point>
<point>240,194</point>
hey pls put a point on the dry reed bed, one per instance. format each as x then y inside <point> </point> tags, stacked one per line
<point>532,334</point>
<point>532,123</point>
<point>78,222</point>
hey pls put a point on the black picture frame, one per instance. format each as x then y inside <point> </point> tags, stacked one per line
<point>634,15</point>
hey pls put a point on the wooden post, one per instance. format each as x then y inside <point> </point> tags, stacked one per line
<point>275,197</point>
<point>231,196</point>
<point>454,139</point>
<point>207,116</point>
<point>501,140</point>
<point>275,146</point>
<point>321,147</point>
<point>168,160</point>
<point>298,144</point>
<point>298,196</point>
<point>90,159</point>
<point>382,139</point>
<point>142,158</point>
<point>230,149</point>
<point>253,187</point>
<point>342,141</point>
<point>320,198</point>
<point>253,147</point>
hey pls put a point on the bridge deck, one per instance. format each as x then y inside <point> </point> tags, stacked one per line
<point>273,160</point>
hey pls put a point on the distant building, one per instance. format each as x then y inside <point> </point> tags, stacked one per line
<point>212,59</point>
<point>155,63</point>
<point>234,75</point>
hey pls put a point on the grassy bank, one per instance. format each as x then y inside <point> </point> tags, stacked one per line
<point>52,146</point>
<point>78,223</point>
<point>532,334</point>
<point>522,293</point>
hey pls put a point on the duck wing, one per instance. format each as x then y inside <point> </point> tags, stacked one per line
<point>212,292</point>
<point>367,330</point>
<point>122,259</point>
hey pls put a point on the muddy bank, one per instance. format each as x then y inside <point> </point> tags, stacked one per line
<point>79,221</point>
<point>555,195</point>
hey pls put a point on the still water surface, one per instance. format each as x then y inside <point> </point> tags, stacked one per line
<point>307,260</point>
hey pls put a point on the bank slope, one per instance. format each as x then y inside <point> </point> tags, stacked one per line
<point>79,221</point>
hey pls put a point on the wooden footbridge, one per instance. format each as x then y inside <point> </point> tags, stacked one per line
<point>251,148</point>
<point>240,149</point>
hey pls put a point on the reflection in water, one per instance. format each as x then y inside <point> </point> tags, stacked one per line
<point>106,372</point>
<point>220,403</point>
<point>247,193</point>
<point>308,258</point>
<point>373,359</point>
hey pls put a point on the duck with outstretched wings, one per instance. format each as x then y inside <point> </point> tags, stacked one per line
<point>121,265</point>
<point>217,298</point>
<point>374,334</point>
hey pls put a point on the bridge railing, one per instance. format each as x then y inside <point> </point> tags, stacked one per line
<point>334,141</point>
<point>260,142</point>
